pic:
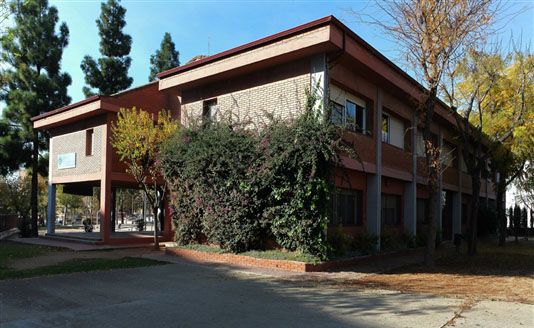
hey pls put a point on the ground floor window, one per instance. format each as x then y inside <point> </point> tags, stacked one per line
<point>391,209</point>
<point>422,211</point>
<point>347,207</point>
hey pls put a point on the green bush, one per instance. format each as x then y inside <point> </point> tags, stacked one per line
<point>239,188</point>
<point>340,243</point>
<point>211,171</point>
<point>365,243</point>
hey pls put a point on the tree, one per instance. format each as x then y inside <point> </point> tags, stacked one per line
<point>110,74</point>
<point>137,137</point>
<point>33,85</point>
<point>493,97</point>
<point>165,58</point>
<point>433,35</point>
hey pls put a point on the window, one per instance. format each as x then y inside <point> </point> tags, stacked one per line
<point>351,116</point>
<point>391,209</point>
<point>89,140</point>
<point>420,145</point>
<point>209,108</point>
<point>448,155</point>
<point>347,207</point>
<point>422,210</point>
<point>385,128</point>
<point>392,131</point>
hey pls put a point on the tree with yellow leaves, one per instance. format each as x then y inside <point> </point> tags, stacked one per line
<point>137,137</point>
<point>492,95</point>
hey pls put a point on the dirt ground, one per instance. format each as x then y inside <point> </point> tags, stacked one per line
<point>504,274</point>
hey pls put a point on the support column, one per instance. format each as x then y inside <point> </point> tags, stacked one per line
<point>410,188</point>
<point>319,80</point>
<point>105,184</point>
<point>51,215</point>
<point>374,181</point>
<point>105,209</point>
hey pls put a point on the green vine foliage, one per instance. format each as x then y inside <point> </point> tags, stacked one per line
<point>240,188</point>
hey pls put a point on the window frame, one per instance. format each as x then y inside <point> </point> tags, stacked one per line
<point>207,110</point>
<point>388,132</point>
<point>358,207</point>
<point>89,142</point>
<point>398,204</point>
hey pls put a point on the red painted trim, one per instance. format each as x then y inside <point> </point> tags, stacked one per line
<point>249,46</point>
<point>65,108</point>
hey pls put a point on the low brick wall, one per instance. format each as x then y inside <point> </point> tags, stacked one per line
<point>206,257</point>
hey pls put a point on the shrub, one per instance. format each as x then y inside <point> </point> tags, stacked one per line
<point>87,225</point>
<point>365,243</point>
<point>340,243</point>
<point>140,225</point>
<point>238,188</point>
<point>211,173</point>
<point>24,227</point>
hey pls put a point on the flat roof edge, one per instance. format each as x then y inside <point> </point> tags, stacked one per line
<point>249,46</point>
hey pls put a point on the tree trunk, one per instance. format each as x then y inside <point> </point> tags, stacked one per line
<point>34,186</point>
<point>430,248</point>
<point>156,241</point>
<point>475,203</point>
<point>501,215</point>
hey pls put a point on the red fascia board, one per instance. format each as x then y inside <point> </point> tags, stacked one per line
<point>248,46</point>
<point>65,108</point>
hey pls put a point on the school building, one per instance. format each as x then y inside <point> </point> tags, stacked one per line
<point>370,97</point>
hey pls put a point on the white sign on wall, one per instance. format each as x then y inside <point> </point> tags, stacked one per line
<point>66,161</point>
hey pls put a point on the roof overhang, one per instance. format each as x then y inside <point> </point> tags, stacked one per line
<point>81,110</point>
<point>299,42</point>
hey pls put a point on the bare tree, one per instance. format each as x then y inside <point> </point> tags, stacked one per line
<point>432,34</point>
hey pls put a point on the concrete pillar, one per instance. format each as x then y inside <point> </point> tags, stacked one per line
<point>319,80</point>
<point>105,184</point>
<point>410,188</point>
<point>51,215</point>
<point>374,181</point>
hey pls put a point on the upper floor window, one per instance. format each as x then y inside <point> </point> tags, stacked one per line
<point>209,108</point>
<point>348,111</point>
<point>385,128</point>
<point>350,116</point>
<point>448,155</point>
<point>393,131</point>
<point>89,141</point>
<point>347,207</point>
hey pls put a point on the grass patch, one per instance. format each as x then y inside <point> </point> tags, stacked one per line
<point>269,254</point>
<point>287,256</point>
<point>12,251</point>
<point>79,265</point>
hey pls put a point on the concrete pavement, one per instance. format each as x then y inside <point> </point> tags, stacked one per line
<point>191,295</point>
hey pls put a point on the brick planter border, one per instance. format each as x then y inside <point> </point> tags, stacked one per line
<point>207,257</point>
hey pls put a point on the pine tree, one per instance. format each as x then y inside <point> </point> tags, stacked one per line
<point>165,58</point>
<point>32,84</point>
<point>110,74</point>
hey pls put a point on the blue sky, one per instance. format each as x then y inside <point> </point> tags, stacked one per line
<point>225,24</point>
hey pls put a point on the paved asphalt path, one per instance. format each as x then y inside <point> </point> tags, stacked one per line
<point>190,295</point>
